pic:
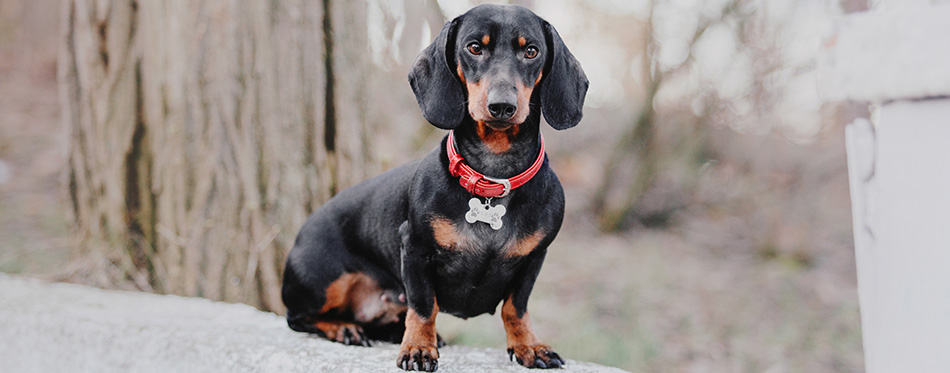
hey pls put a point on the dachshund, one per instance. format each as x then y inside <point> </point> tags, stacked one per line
<point>464,228</point>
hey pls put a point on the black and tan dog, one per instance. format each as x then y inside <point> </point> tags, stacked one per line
<point>382,258</point>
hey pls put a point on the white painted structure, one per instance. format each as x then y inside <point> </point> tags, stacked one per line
<point>897,58</point>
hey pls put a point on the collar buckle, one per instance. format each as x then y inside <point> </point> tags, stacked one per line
<point>504,182</point>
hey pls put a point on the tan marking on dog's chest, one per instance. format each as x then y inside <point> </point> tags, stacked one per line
<point>448,236</point>
<point>454,238</point>
<point>524,245</point>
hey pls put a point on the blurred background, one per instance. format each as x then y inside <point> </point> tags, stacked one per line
<point>177,146</point>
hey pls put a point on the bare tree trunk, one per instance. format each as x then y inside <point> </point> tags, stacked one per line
<point>203,134</point>
<point>635,152</point>
<point>636,162</point>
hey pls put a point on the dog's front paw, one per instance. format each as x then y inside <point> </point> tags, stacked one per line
<point>415,357</point>
<point>536,356</point>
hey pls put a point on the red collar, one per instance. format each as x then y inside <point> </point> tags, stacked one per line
<point>484,186</point>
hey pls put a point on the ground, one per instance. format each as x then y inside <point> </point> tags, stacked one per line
<point>65,327</point>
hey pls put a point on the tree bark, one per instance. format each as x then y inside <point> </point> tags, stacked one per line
<point>637,161</point>
<point>202,135</point>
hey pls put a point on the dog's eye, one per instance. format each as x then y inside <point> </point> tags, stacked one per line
<point>475,48</point>
<point>530,52</point>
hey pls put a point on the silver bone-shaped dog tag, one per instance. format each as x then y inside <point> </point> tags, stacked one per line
<point>484,212</point>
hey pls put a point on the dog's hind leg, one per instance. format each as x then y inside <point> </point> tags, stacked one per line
<point>338,295</point>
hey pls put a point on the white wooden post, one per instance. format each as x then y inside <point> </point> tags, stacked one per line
<point>896,57</point>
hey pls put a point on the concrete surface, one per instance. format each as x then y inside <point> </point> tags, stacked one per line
<point>53,327</point>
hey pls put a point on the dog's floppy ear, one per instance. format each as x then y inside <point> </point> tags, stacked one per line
<point>438,90</point>
<point>564,85</point>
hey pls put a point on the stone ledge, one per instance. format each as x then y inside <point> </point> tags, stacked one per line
<point>54,327</point>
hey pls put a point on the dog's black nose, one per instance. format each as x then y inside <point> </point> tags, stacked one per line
<point>502,110</point>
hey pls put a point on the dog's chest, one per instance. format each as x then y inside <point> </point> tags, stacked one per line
<point>479,239</point>
<point>474,264</point>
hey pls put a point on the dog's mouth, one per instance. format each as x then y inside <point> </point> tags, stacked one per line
<point>498,125</point>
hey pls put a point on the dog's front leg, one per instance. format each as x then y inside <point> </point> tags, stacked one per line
<point>419,350</point>
<point>523,346</point>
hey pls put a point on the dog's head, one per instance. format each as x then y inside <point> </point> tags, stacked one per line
<point>487,63</point>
